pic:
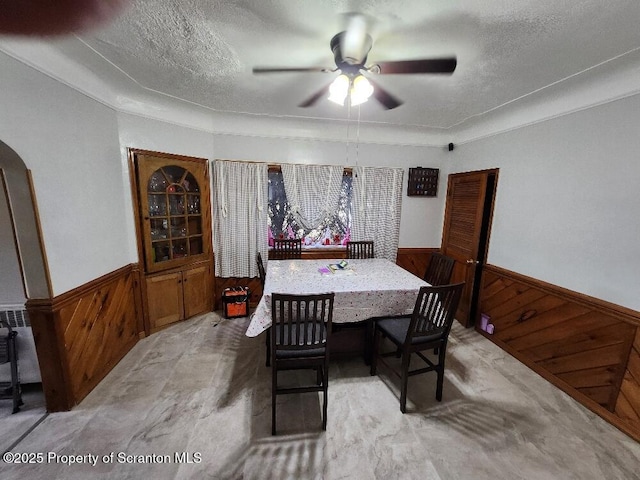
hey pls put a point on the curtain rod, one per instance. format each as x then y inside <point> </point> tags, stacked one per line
<point>276,166</point>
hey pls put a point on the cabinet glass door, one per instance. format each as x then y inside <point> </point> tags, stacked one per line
<point>174,216</point>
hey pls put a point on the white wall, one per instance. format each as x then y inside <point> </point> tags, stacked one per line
<point>70,143</point>
<point>567,200</point>
<point>421,223</point>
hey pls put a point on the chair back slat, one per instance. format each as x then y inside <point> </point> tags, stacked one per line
<point>439,269</point>
<point>301,321</point>
<point>360,249</point>
<point>434,311</point>
<point>261,271</point>
<point>284,249</point>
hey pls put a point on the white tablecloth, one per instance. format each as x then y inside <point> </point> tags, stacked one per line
<point>368,288</point>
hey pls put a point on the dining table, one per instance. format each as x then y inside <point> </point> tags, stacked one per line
<point>363,288</point>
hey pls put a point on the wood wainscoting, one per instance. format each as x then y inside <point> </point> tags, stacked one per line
<point>414,260</point>
<point>82,334</point>
<point>587,347</point>
<point>628,404</point>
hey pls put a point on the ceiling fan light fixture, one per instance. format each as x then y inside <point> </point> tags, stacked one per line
<point>339,89</point>
<point>350,51</point>
<point>361,90</point>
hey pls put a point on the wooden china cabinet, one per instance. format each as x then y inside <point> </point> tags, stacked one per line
<point>173,213</point>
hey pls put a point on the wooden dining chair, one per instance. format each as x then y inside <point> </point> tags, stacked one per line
<point>284,249</point>
<point>300,337</point>
<point>439,269</point>
<point>427,328</point>
<point>360,249</point>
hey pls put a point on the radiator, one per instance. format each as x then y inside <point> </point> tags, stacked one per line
<point>28,366</point>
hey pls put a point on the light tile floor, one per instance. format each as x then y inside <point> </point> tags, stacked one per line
<point>15,425</point>
<point>200,388</point>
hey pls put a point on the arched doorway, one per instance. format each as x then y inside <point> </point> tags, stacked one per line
<point>20,199</point>
<point>23,277</point>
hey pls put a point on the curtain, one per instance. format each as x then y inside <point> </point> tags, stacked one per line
<point>377,202</point>
<point>240,217</point>
<point>312,191</point>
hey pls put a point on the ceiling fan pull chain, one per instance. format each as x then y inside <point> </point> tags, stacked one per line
<point>358,137</point>
<point>348,127</point>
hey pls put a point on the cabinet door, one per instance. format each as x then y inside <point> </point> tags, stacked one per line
<point>164,299</point>
<point>197,291</point>
<point>174,210</point>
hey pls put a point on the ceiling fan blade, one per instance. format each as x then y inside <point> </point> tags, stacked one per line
<point>286,69</point>
<point>387,100</point>
<point>315,97</point>
<point>426,65</point>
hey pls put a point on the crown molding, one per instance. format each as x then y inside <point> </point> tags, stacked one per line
<point>612,80</point>
<point>44,58</point>
<point>154,106</point>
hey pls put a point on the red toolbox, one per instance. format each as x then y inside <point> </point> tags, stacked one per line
<point>235,302</point>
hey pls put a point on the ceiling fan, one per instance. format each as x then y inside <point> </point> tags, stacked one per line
<point>350,50</point>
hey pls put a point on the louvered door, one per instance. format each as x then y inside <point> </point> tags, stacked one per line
<point>465,232</point>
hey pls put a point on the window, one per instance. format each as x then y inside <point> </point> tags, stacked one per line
<point>333,230</point>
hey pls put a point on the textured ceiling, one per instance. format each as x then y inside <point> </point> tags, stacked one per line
<point>202,51</point>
